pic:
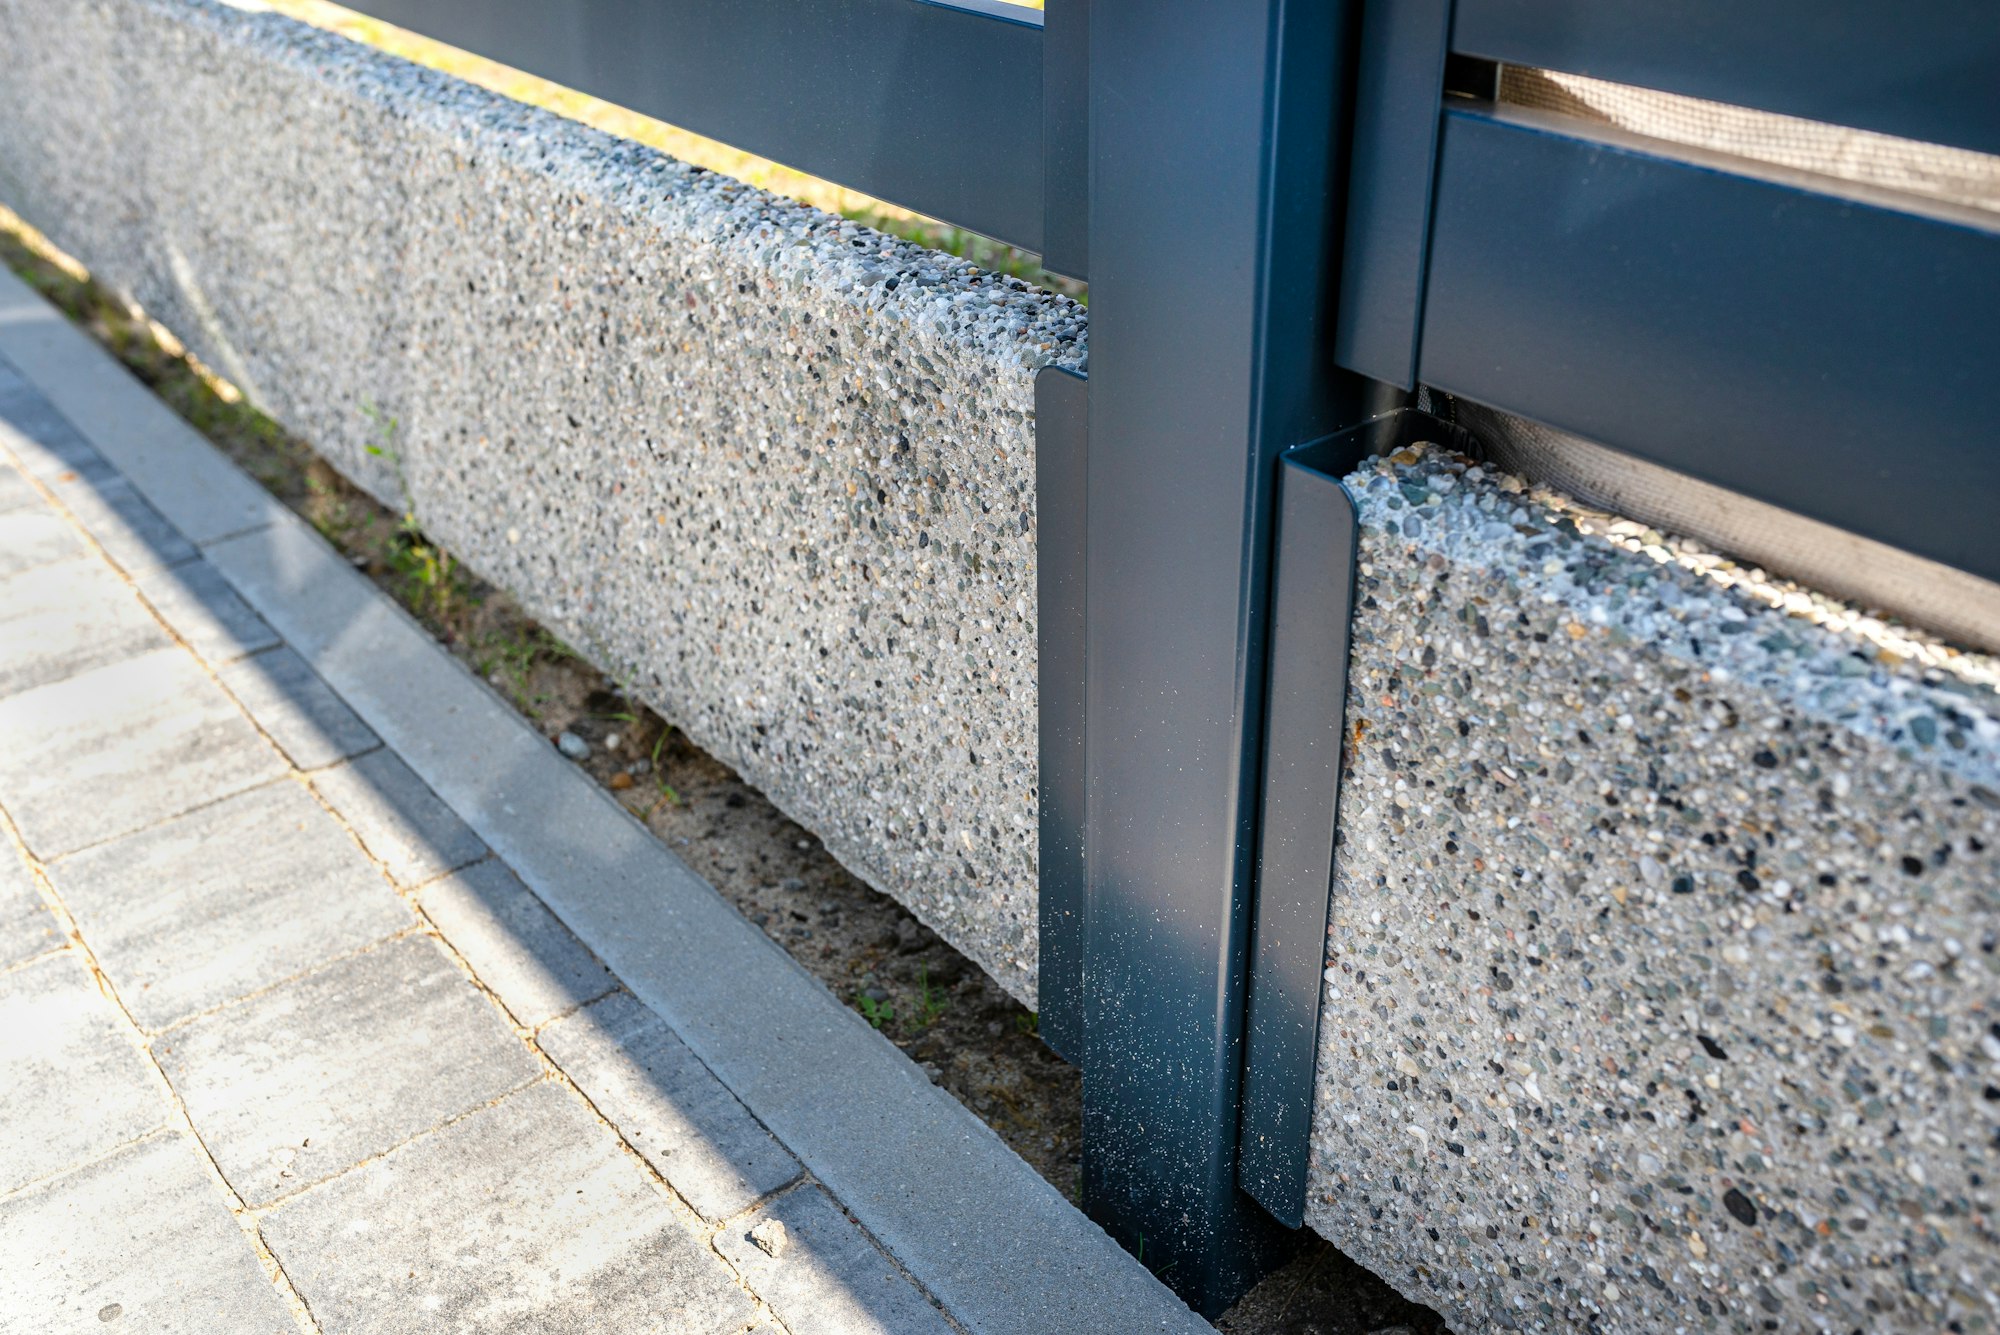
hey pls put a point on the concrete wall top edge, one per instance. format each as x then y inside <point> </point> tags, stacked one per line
<point>1636,586</point>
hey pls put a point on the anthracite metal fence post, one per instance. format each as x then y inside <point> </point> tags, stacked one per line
<point>1215,129</point>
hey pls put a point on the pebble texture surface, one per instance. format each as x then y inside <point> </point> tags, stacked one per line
<point>1661,989</point>
<point>771,468</point>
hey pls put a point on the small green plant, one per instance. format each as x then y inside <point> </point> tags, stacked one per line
<point>1029,1023</point>
<point>667,797</point>
<point>432,581</point>
<point>931,1001</point>
<point>877,1013</point>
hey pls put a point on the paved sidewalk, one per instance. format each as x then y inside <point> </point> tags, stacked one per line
<point>332,998</point>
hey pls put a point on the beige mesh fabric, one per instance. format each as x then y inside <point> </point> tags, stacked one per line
<point>1932,171</point>
<point>1960,607</point>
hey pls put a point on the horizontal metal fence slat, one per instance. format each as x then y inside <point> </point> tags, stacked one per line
<point>1827,354</point>
<point>937,108</point>
<point>1399,81</point>
<point>1923,69</point>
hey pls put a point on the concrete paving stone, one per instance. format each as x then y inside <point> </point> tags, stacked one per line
<point>206,612</point>
<point>669,1106</point>
<point>46,447</point>
<point>513,943</point>
<point>16,492</point>
<point>62,619</point>
<point>180,929</point>
<point>525,1217</point>
<point>314,1076</point>
<point>999,1246</point>
<point>31,538</point>
<point>187,479</point>
<point>140,1240</point>
<point>829,1277</point>
<point>40,438</point>
<point>27,927</point>
<point>131,532</point>
<point>122,747</point>
<point>72,1085</point>
<point>398,818</point>
<point>311,725</point>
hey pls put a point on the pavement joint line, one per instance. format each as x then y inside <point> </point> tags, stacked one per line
<point>165,1128</point>
<point>316,967</point>
<point>305,1188</point>
<point>37,959</point>
<point>177,1119</point>
<point>169,819</point>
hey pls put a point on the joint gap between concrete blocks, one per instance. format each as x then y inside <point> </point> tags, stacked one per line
<point>348,759</point>
<point>802,1180</point>
<point>416,888</point>
<point>318,967</point>
<point>164,1128</point>
<point>34,959</point>
<point>259,1211</point>
<point>207,543</point>
<point>203,805</point>
<point>177,1117</point>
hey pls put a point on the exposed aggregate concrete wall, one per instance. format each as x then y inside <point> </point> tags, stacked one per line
<point>1662,980</point>
<point>770,467</point>
<point>1661,966</point>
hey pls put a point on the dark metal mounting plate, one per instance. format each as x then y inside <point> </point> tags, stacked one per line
<point>1305,735</point>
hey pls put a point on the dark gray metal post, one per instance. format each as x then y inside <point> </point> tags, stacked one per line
<point>1214,131</point>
